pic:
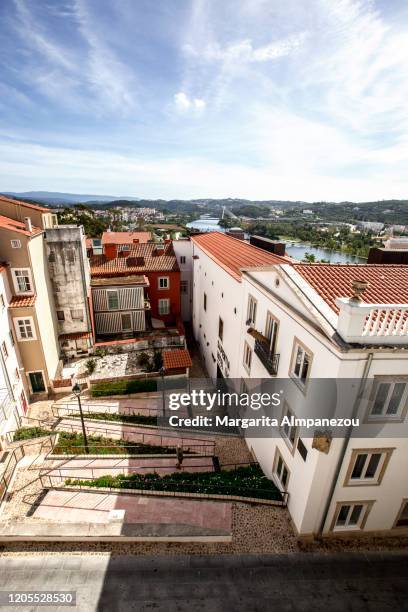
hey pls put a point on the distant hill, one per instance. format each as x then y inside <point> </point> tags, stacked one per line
<point>66,199</point>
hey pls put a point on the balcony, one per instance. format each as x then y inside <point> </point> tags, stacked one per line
<point>382,324</point>
<point>269,360</point>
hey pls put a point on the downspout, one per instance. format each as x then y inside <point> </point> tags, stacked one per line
<point>346,441</point>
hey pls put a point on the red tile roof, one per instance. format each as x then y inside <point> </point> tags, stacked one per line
<point>178,358</point>
<point>233,254</point>
<point>75,336</point>
<point>142,258</point>
<point>125,237</point>
<point>388,283</point>
<point>26,204</point>
<point>22,301</point>
<point>16,226</point>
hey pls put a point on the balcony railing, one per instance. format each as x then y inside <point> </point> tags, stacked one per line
<point>268,359</point>
<point>363,323</point>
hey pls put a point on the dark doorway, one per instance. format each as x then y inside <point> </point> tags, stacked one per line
<point>37,382</point>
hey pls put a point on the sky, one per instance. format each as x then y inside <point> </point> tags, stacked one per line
<point>258,99</point>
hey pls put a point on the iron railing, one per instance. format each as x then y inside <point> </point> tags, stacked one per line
<point>268,359</point>
<point>64,409</point>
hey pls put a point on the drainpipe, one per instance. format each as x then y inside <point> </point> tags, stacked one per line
<point>346,441</point>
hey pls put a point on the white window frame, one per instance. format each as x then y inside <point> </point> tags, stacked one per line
<point>108,292</point>
<point>15,276</point>
<point>29,380</point>
<point>166,281</point>
<point>363,479</point>
<point>360,520</point>
<point>299,346</point>
<point>271,331</point>
<point>401,412</point>
<point>184,287</point>
<point>15,244</point>
<point>161,302</point>
<point>247,358</point>
<point>289,431</point>
<point>18,331</point>
<point>251,310</point>
<point>126,314</point>
<point>278,471</point>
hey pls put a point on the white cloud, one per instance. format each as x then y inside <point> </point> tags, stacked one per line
<point>184,102</point>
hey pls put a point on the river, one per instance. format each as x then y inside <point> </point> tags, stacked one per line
<point>295,250</point>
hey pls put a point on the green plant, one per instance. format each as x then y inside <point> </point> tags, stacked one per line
<point>73,444</point>
<point>100,352</point>
<point>91,365</point>
<point>136,419</point>
<point>143,360</point>
<point>157,360</point>
<point>123,387</point>
<point>26,433</point>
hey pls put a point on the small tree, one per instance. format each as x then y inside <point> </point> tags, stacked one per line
<point>143,360</point>
<point>157,360</point>
<point>91,365</point>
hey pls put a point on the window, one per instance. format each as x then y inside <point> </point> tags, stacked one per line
<point>36,382</point>
<point>126,320</point>
<point>51,256</point>
<point>182,259</point>
<point>164,282</point>
<point>22,280</point>
<point>16,374</point>
<point>2,302</point>
<point>77,314</point>
<point>367,466</point>
<point>11,338</point>
<point>25,328</point>
<point>302,449</point>
<point>164,306</point>
<point>183,286</point>
<point>71,256</point>
<point>15,244</point>
<point>220,329</point>
<point>124,247</point>
<point>251,314</point>
<point>280,470</point>
<point>60,315</point>
<point>390,400</point>
<point>205,301</point>
<point>113,299</point>
<point>247,357</point>
<point>4,349</point>
<point>289,432</point>
<point>402,518</point>
<point>271,332</point>
<point>301,363</point>
<point>352,515</point>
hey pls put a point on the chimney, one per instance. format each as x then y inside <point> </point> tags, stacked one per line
<point>352,313</point>
<point>28,224</point>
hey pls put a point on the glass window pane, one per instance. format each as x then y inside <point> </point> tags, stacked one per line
<point>359,465</point>
<point>284,478</point>
<point>298,361</point>
<point>305,368</point>
<point>381,398</point>
<point>396,398</point>
<point>355,514</point>
<point>342,516</point>
<point>372,465</point>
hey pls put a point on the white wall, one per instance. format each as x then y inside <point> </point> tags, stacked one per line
<point>183,248</point>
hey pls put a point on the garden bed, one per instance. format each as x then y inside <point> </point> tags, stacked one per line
<point>133,419</point>
<point>27,433</point>
<point>243,482</point>
<point>73,444</point>
<point>123,387</point>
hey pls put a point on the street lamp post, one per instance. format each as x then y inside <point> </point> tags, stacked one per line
<point>162,372</point>
<point>76,390</point>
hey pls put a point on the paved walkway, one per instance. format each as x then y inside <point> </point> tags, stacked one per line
<point>81,506</point>
<point>296,582</point>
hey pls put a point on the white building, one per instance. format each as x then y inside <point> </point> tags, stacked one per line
<point>183,250</point>
<point>296,322</point>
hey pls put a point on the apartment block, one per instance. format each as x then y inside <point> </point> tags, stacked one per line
<point>260,319</point>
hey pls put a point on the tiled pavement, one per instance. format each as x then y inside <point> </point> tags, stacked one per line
<point>255,583</point>
<point>88,507</point>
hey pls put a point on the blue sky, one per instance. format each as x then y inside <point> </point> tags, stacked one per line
<point>262,99</point>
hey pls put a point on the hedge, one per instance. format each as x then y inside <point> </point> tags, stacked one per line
<point>244,482</point>
<point>123,387</point>
<point>135,419</point>
<point>73,444</point>
<point>26,433</point>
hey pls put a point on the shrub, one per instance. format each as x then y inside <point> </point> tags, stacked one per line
<point>123,387</point>
<point>143,360</point>
<point>73,444</point>
<point>137,419</point>
<point>26,433</point>
<point>100,352</point>
<point>157,360</point>
<point>91,365</point>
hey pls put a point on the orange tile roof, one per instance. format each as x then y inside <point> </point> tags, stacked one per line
<point>388,283</point>
<point>74,336</point>
<point>178,358</point>
<point>233,254</point>
<point>16,226</point>
<point>125,237</point>
<point>22,301</point>
<point>26,204</point>
<point>142,258</point>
